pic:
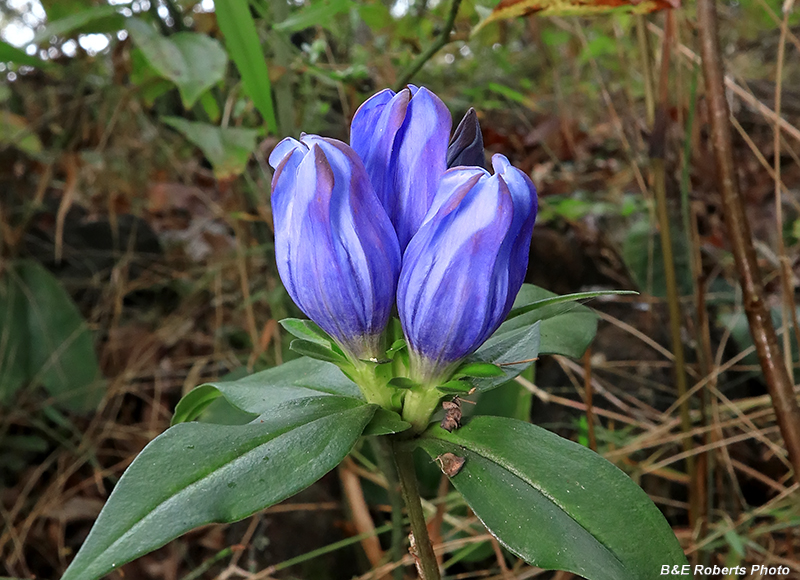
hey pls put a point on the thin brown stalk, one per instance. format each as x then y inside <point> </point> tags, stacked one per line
<point>657,162</point>
<point>778,382</point>
<point>587,387</point>
<point>351,485</point>
<point>746,96</point>
<point>787,304</point>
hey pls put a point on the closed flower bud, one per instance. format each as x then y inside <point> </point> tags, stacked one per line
<point>402,139</point>
<point>463,269</point>
<point>335,247</point>
<point>466,146</point>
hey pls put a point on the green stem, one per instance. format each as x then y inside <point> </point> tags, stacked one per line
<point>404,460</point>
<point>442,40</point>
<point>418,407</point>
<point>384,457</point>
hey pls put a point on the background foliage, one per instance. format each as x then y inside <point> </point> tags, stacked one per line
<point>136,258</point>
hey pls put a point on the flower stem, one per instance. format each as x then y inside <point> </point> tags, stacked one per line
<point>427,566</point>
<point>418,407</point>
<point>385,458</point>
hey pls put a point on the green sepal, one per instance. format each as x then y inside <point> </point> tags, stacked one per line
<point>403,383</point>
<point>455,387</point>
<point>397,346</point>
<point>479,370</point>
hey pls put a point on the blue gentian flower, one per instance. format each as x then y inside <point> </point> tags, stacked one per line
<point>336,249</point>
<point>464,267</point>
<point>402,139</point>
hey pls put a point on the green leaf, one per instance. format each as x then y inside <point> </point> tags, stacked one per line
<point>517,310</point>
<point>301,378</point>
<point>56,9</point>
<point>513,351</point>
<point>14,338</point>
<point>48,343</point>
<point>194,62</point>
<point>556,504</point>
<point>194,403</point>
<point>227,149</point>
<point>317,351</point>
<point>386,422</point>
<point>9,53</point>
<point>151,84</point>
<point>566,328</point>
<point>93,19</point>
<point>307,330</point>
<point>318,13</point>
<point>195,474</point>
<point>241,38</point>
<point>480,370</point>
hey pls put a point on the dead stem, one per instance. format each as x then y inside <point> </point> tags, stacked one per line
<point>779,385</point>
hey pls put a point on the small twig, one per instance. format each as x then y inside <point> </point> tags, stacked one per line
<point>778,382</point>
<point>427,54</point>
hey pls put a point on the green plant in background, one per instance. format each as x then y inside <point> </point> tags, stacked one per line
<point>396,222</point>
<point>44,340</point>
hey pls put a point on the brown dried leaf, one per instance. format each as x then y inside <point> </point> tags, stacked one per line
<point>508,9</point>
<point>450,463</point>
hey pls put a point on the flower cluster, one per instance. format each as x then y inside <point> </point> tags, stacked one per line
<point>402,216</point>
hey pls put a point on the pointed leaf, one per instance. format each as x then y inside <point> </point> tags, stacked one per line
<point>317,351</point>
<point>301,378</point>
<point>59,353</point>
<point>195,474</point>
<point>542,302</point>
<point>307,330</point>
<point>557,504</point>
<point>241,38</point>
<point>566,328</point>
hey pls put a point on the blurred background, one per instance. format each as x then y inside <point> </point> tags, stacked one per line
<point>136,257</point>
